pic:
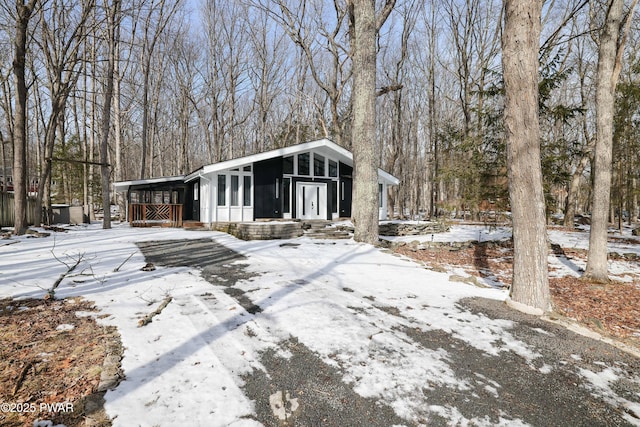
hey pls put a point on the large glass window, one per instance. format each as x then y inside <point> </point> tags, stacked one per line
<point>333,168</point>
<point>287,165</point>
<point>235,190</point>
<point>318,165</point>
<point>222,190</point>
<point>286,198</point>
<point>303,164</point>
<point>246,191</point>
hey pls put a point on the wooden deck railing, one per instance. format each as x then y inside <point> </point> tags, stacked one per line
<point>151,214</point>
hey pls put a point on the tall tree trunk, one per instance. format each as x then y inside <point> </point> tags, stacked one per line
<point>23,15</point>
<point>574,186</point>
<point>611,45</point>
<point>520,43</point>
<point>365,149</point>
<point>118,167</point>
<point>112,30</point>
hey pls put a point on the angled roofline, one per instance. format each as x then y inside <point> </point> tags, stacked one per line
<point>265,155</point>
<point>285,151</point>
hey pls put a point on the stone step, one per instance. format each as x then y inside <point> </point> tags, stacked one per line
<point>327,234</point>
<point>193,225</point>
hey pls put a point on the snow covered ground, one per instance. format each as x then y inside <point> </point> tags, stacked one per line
<point>189,362</point>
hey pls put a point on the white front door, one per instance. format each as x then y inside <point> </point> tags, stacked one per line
<point>311,200</point>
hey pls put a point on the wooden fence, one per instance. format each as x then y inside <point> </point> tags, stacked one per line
<point>149,215</point>
<point>7,210</point>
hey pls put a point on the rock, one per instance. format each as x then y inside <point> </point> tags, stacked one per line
<point>148,267</point>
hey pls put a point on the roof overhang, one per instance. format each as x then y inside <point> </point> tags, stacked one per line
<point>124,185</point>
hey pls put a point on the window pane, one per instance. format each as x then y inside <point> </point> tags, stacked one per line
<point>287,165</point>
<point>286,199</point>
<point>222,189</point>
<point>247,168</point>
<point>379,195</point>
<point>333,168</point>
<point>235,189</point>
<point>246,191</point>
<point>318,165</point>
<point>303,164</point>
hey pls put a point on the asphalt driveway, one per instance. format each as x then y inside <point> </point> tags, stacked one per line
<point>568,380</point>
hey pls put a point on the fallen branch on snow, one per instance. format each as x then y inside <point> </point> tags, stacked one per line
<point>149,317</point>
<point>51,293</point>
<point>115,270</point>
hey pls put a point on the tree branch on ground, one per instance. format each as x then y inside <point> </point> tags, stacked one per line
<point>149,317</point>
<point>115,270</point>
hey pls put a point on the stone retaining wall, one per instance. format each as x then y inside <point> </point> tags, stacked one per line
<point>408,229</point>
<point>445,246</point>
<point>261,230</point>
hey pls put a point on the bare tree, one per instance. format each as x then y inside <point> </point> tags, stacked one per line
<point>611,44</point>
<point>520,44</point>
<point>267,73</point>
<point>587,138</point>
<point>62,52</point>
<point>328,61</point>
<point>24,12</point>
<point>113,25</point>
<point>364,24</point>
<point>399,156</point>
<point>156,20</point>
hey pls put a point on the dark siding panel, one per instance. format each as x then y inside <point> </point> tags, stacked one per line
<point>192,207</point>
<point>333,197</point>
<point>346,183</point>
<point>265,174</point>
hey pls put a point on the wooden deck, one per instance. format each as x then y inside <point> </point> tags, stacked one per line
<point>155,215</point>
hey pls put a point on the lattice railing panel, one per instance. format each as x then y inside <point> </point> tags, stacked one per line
<point>142,215</point>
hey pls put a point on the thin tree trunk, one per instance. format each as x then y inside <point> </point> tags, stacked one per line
<point>118,169</point>
<point>112,29</point>
<point>609,59</point>
<point>520,42</point>
<point>574,188</point>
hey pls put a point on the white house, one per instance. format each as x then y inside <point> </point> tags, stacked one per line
<point>312,180</point>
